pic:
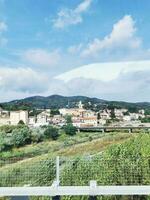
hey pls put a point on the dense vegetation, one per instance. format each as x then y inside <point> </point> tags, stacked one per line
<point>20,135</point>
<point>145,120</point>
<point>120,164</point>
<point>123,164</point>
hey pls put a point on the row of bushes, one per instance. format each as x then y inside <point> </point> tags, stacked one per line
<point>17,136</point>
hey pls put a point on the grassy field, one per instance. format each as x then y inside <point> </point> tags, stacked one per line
<point>85,142</point>
<point>44,155</point>
<point>36,165</point>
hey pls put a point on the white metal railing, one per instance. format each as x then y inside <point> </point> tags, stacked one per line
<point>74,190</point>
<point>92,190</point>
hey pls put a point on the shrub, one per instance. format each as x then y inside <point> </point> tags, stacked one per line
<point>21,122</point>
<point>20,137</point>
<point>51,133</point>
<point>2,142</point>
<point>37,136</point>
<point>70,129</point>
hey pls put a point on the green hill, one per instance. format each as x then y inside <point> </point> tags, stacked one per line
<point>58,101</point>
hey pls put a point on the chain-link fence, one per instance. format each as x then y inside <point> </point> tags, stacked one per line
<point>76,171</point>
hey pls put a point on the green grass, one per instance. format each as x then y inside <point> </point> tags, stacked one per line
<point>40,170</point>
<point>32,150</point>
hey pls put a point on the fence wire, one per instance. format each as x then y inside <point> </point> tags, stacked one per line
<point>76,172</point>
<point>27,173</point>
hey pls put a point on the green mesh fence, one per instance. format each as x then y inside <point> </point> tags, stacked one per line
<point>76,171</point>
<point>123,171</point>
<point>27,173</point>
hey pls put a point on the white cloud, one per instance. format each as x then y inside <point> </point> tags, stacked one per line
<point>123,35</point>
<point>130,86</point>
<point>66,17</point>
<point>128,81</point>
<point>104,71</point>
<point>22,80</point>
<point>41,57</point>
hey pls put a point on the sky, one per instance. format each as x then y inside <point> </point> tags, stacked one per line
<point>97,48</point>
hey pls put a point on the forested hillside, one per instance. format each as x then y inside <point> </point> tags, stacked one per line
<point>57,101</point>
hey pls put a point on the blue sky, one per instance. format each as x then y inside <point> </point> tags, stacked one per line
<point>75,47</point>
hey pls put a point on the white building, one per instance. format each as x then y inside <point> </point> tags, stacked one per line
<point>17,116</point>
<point>4,121</point>
<point>119,113</point>
<point>32,121</point>
<point>127,118</point>
<point>41,119</point>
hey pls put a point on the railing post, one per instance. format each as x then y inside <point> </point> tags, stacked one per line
<point>130,131</point>
<point>93,185</point>
<point>56,182</point>
<point>57,170</point>
<point>103,130</point>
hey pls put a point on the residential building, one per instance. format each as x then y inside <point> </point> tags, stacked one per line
<point>17,116</point>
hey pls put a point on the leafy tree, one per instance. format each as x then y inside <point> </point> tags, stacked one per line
<point>54,112</point>
<point>2,142</point>
<point>70,129</point>
<point>21,137</point>
<point>68,119</point>
<point>7,128</point>
<point>133,109</point>
<point>147,112</point>
<point>126,113</point>
<point>112,114</point>
<point>98,116</point>
<point>37,136</point>
<point>51,133</point>
<point>145,120</point>
<point>21,122</point>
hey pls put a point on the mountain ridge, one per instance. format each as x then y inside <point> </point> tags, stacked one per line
<point>56,101</point>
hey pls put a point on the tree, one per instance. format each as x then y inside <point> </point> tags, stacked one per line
<point>70,129</point>
<point>51,133</point>
<point>54,112</point>
<point>37,136</point>
<point>98,116</point>
<point>21,137</point>
<point>2,142</point>
<point>112,114</point>
<point>21,122</point>
<point>68,119</point>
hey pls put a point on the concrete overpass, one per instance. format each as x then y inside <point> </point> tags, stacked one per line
<point>112,128</point>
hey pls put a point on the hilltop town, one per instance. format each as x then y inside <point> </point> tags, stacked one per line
<point>80,116</point>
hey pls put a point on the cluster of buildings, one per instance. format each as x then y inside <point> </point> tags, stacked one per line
<point>80,117</point>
